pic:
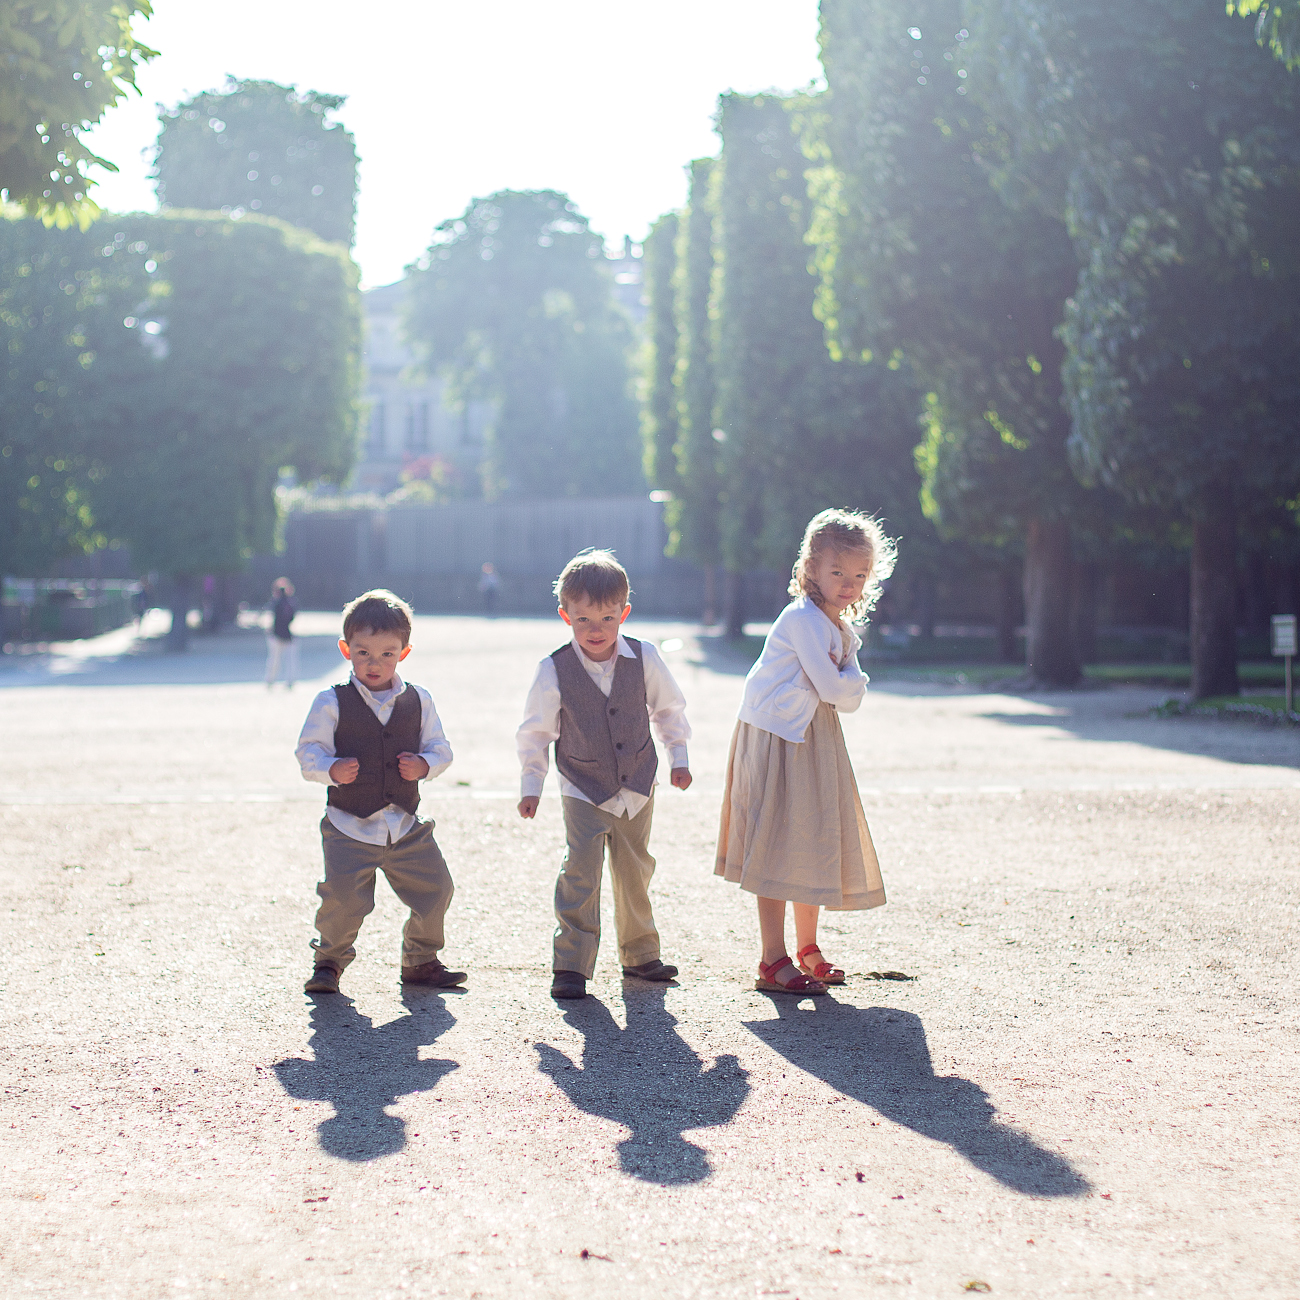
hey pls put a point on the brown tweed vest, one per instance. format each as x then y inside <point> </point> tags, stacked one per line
<point>604,744</point>
<point>361,735</point>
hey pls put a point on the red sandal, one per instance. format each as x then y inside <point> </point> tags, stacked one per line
<point>801,985</point>
<point>823,970</point>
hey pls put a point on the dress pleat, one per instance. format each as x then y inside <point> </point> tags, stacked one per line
<point>792,822</point>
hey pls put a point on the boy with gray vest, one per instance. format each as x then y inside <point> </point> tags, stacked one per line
<point>372,739</point>
<point>596,699</point>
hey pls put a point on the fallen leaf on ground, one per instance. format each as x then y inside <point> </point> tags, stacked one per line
<point>888,975</point>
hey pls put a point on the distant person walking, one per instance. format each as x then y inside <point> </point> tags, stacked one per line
<point>489,587</point>
<point>281,649</point>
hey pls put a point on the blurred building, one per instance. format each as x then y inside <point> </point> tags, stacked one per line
<point>409,417</point>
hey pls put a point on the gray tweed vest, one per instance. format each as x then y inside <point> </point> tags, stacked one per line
<point>605,744</point>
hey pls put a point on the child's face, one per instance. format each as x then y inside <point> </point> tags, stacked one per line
<point>374,657</point>
<point>841,576</point>
<point>595,627</point>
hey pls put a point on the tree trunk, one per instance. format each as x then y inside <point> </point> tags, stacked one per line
<point>1008,613</point>
<point>1049,651</point>
<point>225,602</point>
<point>733,602</point>
<point>1085,594</point>
<point>179,636</point>
<point>1214,602</point>
<point>926,601</point>
<point>710,615</point>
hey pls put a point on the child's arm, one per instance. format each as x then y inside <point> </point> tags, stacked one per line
<point>435,755</point>
<point>315,752</point>
<point>667,707</point>
<point>842,687</point>
<point>538,731</point>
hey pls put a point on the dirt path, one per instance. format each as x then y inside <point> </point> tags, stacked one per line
<point>1089,1088</point>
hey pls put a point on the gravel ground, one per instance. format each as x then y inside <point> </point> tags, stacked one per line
<point>1087,1087</point>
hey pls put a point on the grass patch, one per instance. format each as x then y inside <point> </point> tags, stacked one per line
<point>1263,674</point>
<point>945,674</point>
<point>1250,708</point>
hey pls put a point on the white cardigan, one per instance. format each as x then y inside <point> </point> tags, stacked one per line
<point>794,674</point>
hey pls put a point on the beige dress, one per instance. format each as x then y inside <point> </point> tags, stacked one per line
<point>792,821</point>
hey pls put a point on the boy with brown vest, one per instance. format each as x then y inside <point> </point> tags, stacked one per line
<point>595,699</point>
<point>372,739</point>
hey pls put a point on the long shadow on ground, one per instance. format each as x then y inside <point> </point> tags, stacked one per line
<point>879,1056</point>
<point>360,1069</point>
<point>648,1078</point>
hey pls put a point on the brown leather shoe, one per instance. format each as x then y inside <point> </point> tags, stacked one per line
<point>657,971</point>
<point>324,979</point>
<point>434,974</point>
<point>568,984</point>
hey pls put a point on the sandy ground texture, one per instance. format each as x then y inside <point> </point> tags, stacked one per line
<point>1087,1088</point>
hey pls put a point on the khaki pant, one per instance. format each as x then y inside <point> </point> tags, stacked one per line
<point>588,831</point>
<point>417,873</point>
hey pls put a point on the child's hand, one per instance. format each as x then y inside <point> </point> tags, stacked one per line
<point>411,767</point>
<point>528,805</point>
<point>681,777</point>
<point>343,771</point>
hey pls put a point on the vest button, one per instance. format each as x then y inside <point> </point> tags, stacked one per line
<point>612,712</point>
<point>619,745</point>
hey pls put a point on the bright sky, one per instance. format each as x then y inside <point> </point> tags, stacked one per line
<point>450,100</point>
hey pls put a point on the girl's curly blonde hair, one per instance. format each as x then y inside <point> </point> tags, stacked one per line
<point>844,531</point>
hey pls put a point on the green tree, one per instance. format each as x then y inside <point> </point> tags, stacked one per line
<point>514,303</point>
<point>659,423</point>
<point>265,148</point>
<point>800,432</point>
<point>923,262</point>
<point>63,298</point>
<point>63,63</point>
<point>1170,148</point>
<point>255,368</point>
<point>693,513</point>
<point>160,372</point>
<point>1277,25</point>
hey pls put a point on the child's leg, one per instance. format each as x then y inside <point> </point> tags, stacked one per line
<point>347,894</point>
<point>805,923</point>
<point>577,891</point>
<point>418,874</point>
<point>630,869</point>
<point>771,926</point>
<point>809,954</point>
<point>272,659</point>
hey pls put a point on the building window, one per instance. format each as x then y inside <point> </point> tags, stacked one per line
<point>417,426</point>
<point>378,427</point>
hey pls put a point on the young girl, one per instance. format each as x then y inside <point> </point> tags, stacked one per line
<point>792,828</point>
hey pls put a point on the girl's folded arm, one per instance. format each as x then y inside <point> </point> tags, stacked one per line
<point>842,687</point>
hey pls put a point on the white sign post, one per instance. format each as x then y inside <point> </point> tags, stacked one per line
<point>1284,643</point>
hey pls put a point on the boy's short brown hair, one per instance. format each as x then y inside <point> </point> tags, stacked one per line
<point>377,611</point>
<point>595,576</point>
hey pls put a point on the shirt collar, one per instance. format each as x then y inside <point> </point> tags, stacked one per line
<point>396,687</point>
<point>624,650</point>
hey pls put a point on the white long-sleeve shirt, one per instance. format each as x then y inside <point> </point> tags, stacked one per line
<point>803,663</point>
<point>316,754</point>
<point>541,726</point>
